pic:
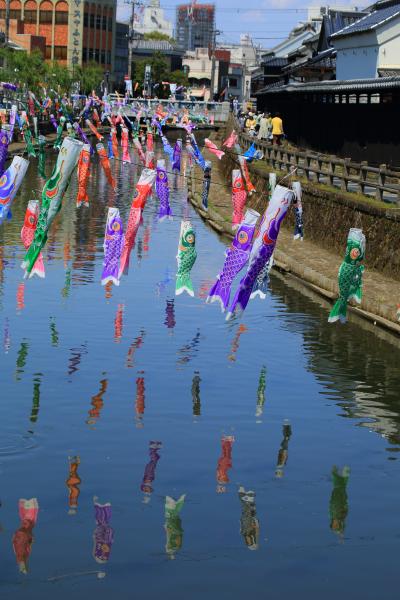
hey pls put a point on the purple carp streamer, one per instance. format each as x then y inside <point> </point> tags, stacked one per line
<point>10,182</point>
<point>236,257</point>
<point>263,246</point>
<point>113,243</point>
<point>162,190</point>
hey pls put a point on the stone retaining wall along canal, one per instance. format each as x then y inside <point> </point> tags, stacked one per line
<point>328,215</point>
<point>329,212</point>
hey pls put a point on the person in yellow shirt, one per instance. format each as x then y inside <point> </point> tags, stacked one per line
<point>250,123</point>
<point>277,129</point>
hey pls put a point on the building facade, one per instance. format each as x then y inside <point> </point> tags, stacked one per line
<point>121,54</point>
<point>151,18</point>
<point>195,26</point>
<point>370,47</point>
<point>76,32</point>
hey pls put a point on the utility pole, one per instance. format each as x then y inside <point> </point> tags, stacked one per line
<point>131,34</point>
<point>7,22</point>
<point>214,43</point>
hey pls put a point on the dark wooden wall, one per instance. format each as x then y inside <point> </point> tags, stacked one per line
<point>361,131</point>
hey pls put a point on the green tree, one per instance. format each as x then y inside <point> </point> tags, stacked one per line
<point>178,77</point>
<point>159,68</point>
<point>90,77</point>
<point>23,69</point>
<point>58,77</point>
<point>157,35</point>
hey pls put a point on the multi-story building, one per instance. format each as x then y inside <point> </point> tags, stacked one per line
<point>198,64</point>
<point>151,18</point>
<point>121,51</point>
<point>195,26</point>
<point>75,31</point>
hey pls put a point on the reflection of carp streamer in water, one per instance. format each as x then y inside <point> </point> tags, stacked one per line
<point>338,505</point>
<point>103,535</point>
<point>73,482</point>
<point>173,525</point>
<point>261,392</point>
<point>140,400</point>
<point>150,469</point>
<point>196,394</point>
<point>224,462</point>
<point>235,344</point>
<point>97,403</point>
<point>283,453</point>
<point>23,537</point>
<point>249,524</point>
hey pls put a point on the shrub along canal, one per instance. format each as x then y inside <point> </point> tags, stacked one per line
<point>278,431</point>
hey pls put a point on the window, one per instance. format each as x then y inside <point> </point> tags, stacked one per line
<point>104,23</point>
<point>91,21</point>
<point>45,16</point>
<point>48,52</point>
<point>30,17</point>
<point>84,54</point>
<point>233,82</point>
<point>103,57</point>
<point>2,13</point>
<point>61,17</point>
<point>15,13</point>
<point>96,55</point>
<point>110,23</point>
<point>98,21</point>
<point>108,57</point>
<point>85,20</point>
<point>60,52</point>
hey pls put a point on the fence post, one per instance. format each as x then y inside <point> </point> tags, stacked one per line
<point>307,166</point>
<point>295,161</point>
<point>363,175</point>
<point>381,182</point>
<point>345,174</point>
<point>320,162</point>
<point>331,170</point>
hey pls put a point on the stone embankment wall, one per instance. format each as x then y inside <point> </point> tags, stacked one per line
<point>329,213</point>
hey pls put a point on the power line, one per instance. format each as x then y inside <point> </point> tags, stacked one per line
<point>252,8</point>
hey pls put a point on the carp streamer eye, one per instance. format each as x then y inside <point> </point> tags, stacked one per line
<point>243,237</point>
<point>355,253</point>
<point>190,238</point>
<point>115,226</point>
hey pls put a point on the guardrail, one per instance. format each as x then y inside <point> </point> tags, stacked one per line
<point>379,182</point>
<point>219,110</point>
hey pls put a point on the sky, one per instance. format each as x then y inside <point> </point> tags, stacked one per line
<point>268,21</point>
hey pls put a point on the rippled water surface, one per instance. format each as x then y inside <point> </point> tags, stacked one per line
<point>131,394</point>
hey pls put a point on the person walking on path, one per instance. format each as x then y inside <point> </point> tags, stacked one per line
<point>263,132</point>
<point>277,129</point>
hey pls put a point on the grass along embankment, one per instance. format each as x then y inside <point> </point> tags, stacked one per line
<point>328,215</point>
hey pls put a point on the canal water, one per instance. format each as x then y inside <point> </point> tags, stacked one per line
<point>280,431</point>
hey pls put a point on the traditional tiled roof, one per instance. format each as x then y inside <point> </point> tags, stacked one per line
<point>275,61</point>
<point>333,86</point>
<point>369,22</point>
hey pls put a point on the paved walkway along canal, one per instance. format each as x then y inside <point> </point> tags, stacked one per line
<point>276,433</point>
